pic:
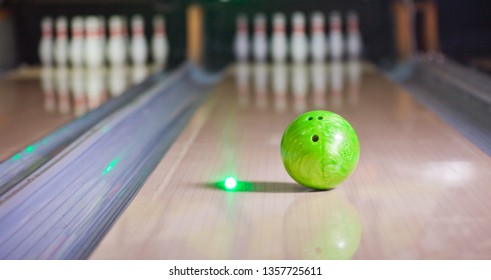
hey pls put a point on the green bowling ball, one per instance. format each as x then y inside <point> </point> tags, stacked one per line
<point>320,149</point>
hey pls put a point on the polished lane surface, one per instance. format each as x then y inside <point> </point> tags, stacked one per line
<point>420,191</point>
<point>36,101</point>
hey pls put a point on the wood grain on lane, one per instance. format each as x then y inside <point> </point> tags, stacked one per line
<point>421,190</point>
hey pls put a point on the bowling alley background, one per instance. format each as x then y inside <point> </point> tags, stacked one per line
<point>462,31</point>
<point>22,16</point>
<point>194,158</point>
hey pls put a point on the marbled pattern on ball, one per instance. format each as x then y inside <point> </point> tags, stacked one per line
<point>320,149</point>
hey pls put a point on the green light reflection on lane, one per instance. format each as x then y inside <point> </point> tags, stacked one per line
<point>30,149</point>
<point>110,166</point>
<point>230,183</point>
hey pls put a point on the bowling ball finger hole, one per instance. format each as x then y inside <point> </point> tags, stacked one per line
<point>310,118</point>
<point>315,138</point>
<point>319,118</point>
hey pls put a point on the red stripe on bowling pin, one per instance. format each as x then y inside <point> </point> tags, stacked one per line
<point>260,28</point>
<point>242,30</point>
<point>124,30</point>
<point>47,33</point>
<point>159,30</point>
<point>299,28</point>
<point>61,33</point>
<point>335,26</point>
<point>353,25</point>
<point>137,30</point>
<point>78,33</point>
<point>79,101</point>
<point>241,27</point>
<point>317,28</point>
<point>92,33</point>
<point>279,28</point>
<point>116,32</point>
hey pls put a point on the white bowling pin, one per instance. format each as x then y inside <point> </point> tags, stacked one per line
<point>46,43</point>
<point>280,79</point>
<point>61,42</point>
<point>160,44</point>
<point>116,45</point>
<point>354,75</point>
<point>76,55</point>
<point>260,46</point>
<point>279,44</point>
<point>318,46</point>
<point>328,44</point>
<point>280,86</point>
<point>63,90</point>
<point>95,87</point>
<point>299,80</point>
<point>354,42</point>
<point>318,75</point>
<point>47,85</point>
<point>261,85</point>
<point>102,37</point>
<point>335,36</point>
<point>242,83</point>
<point>117,80</point>
<point>126,37</point>
<point>299,45</point>
<point>300,87</point>
<point>139,48</point>
<point>77,85</point>
<point>336,72</point>
<point>241,40</point>
<point>94,55</point>
<point>138,73</point>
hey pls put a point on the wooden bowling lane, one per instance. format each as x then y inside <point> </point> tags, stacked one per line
<point>27,109</point>
<point>35,101</point>
<point>420,191</point>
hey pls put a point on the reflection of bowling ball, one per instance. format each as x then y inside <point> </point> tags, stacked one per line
<point>320,149</point>
<point>322,227</point>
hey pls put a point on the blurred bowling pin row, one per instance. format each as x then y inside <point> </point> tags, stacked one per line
<point>300,47</point>
<point>324,82</point>
<point>88,88</point>
<point>89,45</point>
